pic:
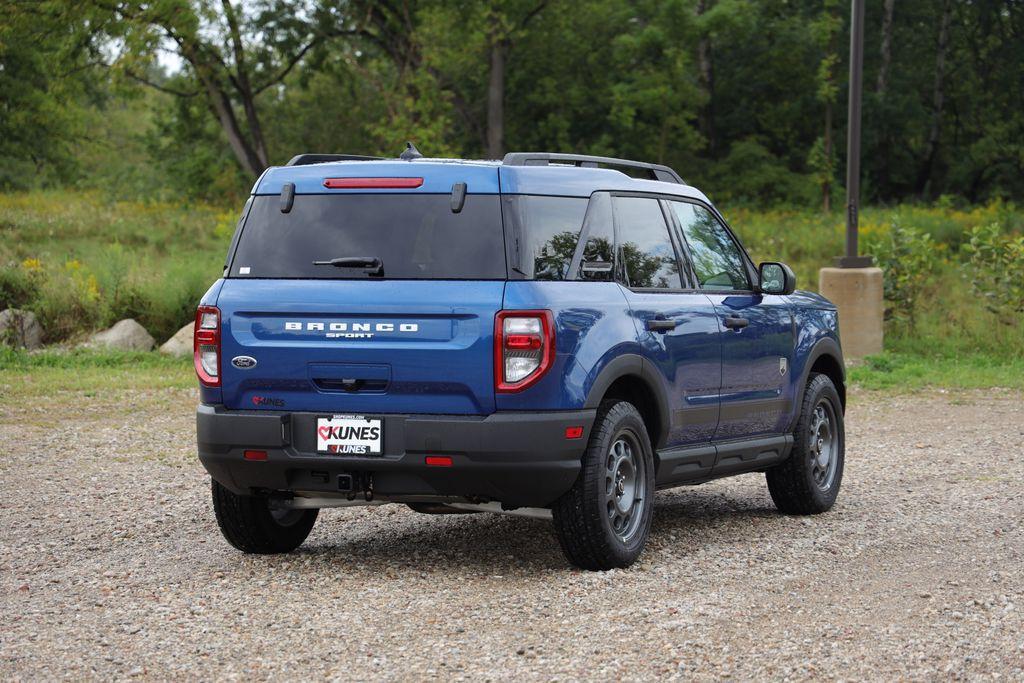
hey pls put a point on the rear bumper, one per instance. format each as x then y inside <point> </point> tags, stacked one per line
<point>516,458</point>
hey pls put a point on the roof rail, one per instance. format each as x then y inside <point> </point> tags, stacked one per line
<point>656,171</point>
<point>306,159</point>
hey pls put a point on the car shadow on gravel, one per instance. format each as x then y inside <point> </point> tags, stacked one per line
<point>488,543</point>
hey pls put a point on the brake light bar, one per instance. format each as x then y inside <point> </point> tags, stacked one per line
<point>372,183</point>
<point>524,348</point>
<point>206,345</point>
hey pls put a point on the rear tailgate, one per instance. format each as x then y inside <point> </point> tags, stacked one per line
<point>342,346</point>
<point>365,287</point>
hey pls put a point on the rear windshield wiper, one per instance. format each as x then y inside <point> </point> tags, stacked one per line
<point>371,264</point>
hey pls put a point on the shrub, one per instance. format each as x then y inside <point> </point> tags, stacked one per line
<point>908,259</point>
<point>996,270</point>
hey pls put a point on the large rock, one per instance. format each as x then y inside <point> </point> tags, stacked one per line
<point>20,328</point>
<point>126,335</point>
<point>180,345</point>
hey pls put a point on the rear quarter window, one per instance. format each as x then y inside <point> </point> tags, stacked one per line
<point>416,237</point>
<point>547,230</point>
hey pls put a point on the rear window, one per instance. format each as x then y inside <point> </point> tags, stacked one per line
<point>415,237</point>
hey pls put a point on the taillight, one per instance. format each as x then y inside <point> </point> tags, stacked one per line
<point>206,345</point>
<point>524,347</point>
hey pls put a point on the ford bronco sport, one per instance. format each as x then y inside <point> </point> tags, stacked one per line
<point>553,335</point>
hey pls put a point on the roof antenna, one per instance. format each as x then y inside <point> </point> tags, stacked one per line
<point>410,152</point>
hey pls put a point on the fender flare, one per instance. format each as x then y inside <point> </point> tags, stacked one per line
<point>827,346</point>
<point>633,365</point>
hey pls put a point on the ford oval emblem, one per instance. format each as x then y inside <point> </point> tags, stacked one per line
<point>243,362</point>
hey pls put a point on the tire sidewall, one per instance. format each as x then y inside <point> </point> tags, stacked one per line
<point>624,417</point>
<point>821,388</point>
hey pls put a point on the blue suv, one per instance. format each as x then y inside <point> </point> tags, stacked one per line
<point>552,335</point>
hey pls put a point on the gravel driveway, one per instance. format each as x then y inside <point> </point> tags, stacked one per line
<point>111,566</point>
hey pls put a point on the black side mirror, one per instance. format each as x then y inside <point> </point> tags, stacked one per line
<point>776,278</point>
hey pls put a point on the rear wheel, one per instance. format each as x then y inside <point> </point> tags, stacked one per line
<point>604,520</point>
<point>250,524</point>
<point>808,482</point>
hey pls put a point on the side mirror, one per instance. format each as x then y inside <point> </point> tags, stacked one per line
<point>776,278</point>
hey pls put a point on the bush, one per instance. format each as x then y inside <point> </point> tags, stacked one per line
<point>908,259</point>
<point>18,287</point>
<point>996,270</point>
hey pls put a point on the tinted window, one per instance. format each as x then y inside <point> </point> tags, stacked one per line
<point>415,235</point>
<point>597,260</point>
<point>715,256</point>
<point>648,258</point>
<point>548,229</point>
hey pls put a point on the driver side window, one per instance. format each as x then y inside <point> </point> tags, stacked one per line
<point>715,256</point>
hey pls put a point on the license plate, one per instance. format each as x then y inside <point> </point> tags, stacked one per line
<point>349,435</point>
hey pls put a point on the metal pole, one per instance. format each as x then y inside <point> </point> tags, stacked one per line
<point>852,259</point>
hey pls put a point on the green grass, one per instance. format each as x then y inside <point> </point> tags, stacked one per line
<point>895,371</point>
<point>82,262</point>
<point>26,377</point>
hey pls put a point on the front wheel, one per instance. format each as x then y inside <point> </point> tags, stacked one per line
<point>808,482</point>
<point>604,519</point>
<point>251,525</point>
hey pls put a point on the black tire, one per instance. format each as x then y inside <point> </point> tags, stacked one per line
<point>249,525</point>
<point>584,518</point>
<point>802,485</point>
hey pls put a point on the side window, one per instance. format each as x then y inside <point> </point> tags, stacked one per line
<point>716,257</point>
<point>597,259</point>
<point>548,228</point>
<point>648,257</point>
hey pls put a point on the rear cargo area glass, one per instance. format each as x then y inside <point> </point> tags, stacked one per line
<point>416,237</point>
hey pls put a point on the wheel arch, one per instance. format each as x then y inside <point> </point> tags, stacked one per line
<point>825,358</point>
<point>627,377</point>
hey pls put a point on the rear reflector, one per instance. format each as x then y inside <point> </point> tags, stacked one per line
<point>255,455</point>
<point>372,183</point>
<point>574,432</point>
<point>438,461</point>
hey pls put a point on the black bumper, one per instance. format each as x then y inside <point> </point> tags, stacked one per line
<point>516,458</point>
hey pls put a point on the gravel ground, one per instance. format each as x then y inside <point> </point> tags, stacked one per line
<point>111,566</point>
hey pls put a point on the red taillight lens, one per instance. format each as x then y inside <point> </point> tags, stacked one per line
<point>524,347</point>
<point>206,345</point>
<point>438,461</point>
<point>258,456</point>
<point>372,183</point>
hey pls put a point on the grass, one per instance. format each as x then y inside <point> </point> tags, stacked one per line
<point>82,262</point>
<point>28,377</point>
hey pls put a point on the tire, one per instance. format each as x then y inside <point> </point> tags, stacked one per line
<point>594,530</point>
<point>807,483</point>
<point>248,523</point>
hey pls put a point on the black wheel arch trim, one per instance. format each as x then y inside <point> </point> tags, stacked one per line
<point>633,365</point>
<point>823,347</point>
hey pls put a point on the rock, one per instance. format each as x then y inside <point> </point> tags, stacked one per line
<point>180,345</point>
<point>20,329</point>
<point>126,335</point>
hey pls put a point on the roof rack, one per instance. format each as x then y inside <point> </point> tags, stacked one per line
<point>306,159</point>
<point>656,171</point>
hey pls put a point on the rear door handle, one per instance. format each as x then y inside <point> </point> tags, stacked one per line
<point>660,325</point>
<point>734,322</point>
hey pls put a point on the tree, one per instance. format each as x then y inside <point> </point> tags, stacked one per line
<point>232,54</point>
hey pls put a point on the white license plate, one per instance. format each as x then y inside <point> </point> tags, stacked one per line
<point>349,435</point>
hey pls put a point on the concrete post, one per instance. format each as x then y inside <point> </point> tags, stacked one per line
<point>857,293</point>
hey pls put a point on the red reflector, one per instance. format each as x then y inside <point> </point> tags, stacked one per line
<point>526,342</point>
<point>574,432</point>
<point>255,455</point>
<point>372,183</point>
<point>438,461</point>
